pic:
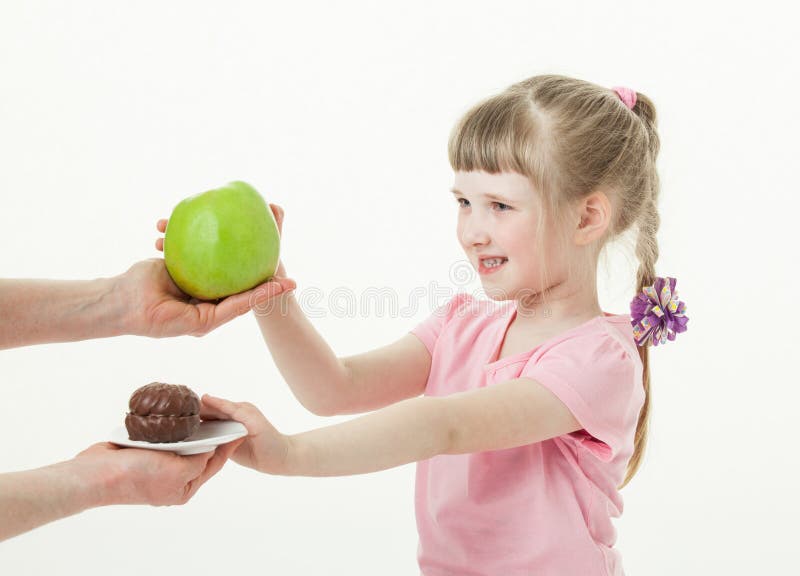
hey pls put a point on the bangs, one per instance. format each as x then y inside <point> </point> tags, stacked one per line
<point>505,133</point>
<point>494,136</point>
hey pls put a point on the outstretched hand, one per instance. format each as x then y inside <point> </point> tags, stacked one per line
<point>156,307</point>
<point>102,475</point>
<point>137,476</point>
<point>264,448</point>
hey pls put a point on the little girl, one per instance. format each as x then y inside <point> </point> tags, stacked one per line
<point>525,418</point>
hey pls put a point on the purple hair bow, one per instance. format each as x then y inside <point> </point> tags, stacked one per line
<point>657,314</point>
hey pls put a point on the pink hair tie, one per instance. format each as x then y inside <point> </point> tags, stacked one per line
<point>627,95</point>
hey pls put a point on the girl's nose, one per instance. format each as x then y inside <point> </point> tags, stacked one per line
<point>473,233</point>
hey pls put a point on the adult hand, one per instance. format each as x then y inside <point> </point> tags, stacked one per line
<point>161,309</point>
<point>103,474</point>
<point>156,307</point>
<point>138,476</point>
<point>264,448</point>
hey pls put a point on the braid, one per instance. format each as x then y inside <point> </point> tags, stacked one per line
<point>647,254</point>
<point>647,244</point>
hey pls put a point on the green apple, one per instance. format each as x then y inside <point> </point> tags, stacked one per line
<point>221,242</point>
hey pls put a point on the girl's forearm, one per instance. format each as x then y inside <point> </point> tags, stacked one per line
<point>317,378</point>
<point>42,311</point>
<point>408,431</point>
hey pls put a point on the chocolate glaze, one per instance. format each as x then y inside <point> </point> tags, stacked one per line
<point>161,428</point>
<point>162,413</point>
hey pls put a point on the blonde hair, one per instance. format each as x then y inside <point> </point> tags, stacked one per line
<point>570,138</point>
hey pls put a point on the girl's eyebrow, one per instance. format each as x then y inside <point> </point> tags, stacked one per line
<point>489,196</point>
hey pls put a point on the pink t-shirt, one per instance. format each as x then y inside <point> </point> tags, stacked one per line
<point>543,508</point>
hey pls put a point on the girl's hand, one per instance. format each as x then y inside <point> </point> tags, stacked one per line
<point>264,449</point>
<point>277,211</point>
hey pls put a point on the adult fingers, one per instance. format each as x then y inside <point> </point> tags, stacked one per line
<point>214,465</point>
<point>195,464</point>
<point>99,447</point>
<point>217,461</point>
<point>239,304</point>
<point>161,226</point>
<point>278,212</point>
<point>258,297</point>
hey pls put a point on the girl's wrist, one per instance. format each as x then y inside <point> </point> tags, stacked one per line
<point>295,462</point>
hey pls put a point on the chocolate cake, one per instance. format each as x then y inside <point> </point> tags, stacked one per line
<point>162,413</point>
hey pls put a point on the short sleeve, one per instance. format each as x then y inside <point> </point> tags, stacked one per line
<point>599,381</point>
<point>429,329</point>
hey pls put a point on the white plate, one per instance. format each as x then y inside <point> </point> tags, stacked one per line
<point>208,436</point>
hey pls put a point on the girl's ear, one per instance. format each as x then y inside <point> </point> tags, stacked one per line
<point>594,213</point>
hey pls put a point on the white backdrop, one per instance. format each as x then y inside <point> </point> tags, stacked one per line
<point>111,112</point>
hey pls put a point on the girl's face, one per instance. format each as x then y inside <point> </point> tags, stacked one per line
<point>498,217</point>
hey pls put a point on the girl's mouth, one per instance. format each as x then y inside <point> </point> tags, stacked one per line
<point>491,265</point>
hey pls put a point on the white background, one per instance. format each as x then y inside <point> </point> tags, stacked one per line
<point>111,112</point>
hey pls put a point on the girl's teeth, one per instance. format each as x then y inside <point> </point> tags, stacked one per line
<point>493,262</point>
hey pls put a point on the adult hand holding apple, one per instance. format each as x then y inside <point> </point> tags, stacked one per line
<point>142,301</point>
<point>173,312</point>
<point>152,305</point>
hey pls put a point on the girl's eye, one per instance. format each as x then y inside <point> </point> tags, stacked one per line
<point>501,207</point>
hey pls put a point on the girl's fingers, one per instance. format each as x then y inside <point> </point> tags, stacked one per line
<point>208,412</point>
<point>219,405</point>
<point>160,244</point>
<point>243,412</point>
<point>217,408</point>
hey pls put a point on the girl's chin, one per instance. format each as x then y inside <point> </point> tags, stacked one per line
<point>496,294</point>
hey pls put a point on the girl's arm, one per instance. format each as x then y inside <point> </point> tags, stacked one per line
<point>325,384</point>
<point>317,378</point>
<point>504,415</point>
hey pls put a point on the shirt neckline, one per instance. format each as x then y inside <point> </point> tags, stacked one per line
<point>499,363</point>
